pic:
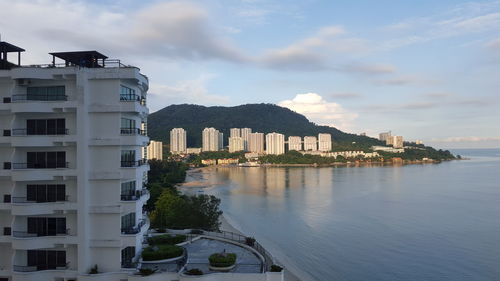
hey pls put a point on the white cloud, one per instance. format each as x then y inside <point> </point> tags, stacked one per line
<point>188,91</point>
<point>320,111</point>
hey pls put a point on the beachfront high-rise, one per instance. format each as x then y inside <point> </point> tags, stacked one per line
<point>212,140</point>
<point>310,143</point>
<point>155,150</point>
<point>245,134</point>
<point>384,136</point>
<point>324,142</point>
<point>72,178</point>
<point>235,133</point>
<point>294,143</point>
<point>236,144</point>
<point>275,143</point>
<point>256,142</point>
<point>178,141</point>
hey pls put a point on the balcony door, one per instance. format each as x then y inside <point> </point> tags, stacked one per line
<point>46,226</point>
<point>41,160</point>
<point>46,259</point>
<point>41,193</point>
<point>46,126</point>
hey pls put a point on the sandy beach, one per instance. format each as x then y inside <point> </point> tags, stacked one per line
<point>197,179</point>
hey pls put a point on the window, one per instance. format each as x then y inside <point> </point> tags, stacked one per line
<point>127,256</point>
<point>128,158</point>
<point>46,126</point>
<point>128,188</point>
<point>128,221</point>
<point>46,226</point>
<point>127,94</point>
<point>44,259</point>
<point>47,93</point>
<point>45,192</point>
<point>128,126</point>
<point>41,160</point>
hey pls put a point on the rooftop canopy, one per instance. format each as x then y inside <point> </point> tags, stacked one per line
<point>81,58</point>
<point>9,48</point>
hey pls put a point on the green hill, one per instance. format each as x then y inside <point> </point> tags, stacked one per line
<point>264,118</point>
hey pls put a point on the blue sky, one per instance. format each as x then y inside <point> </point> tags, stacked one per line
<point>426,71</point>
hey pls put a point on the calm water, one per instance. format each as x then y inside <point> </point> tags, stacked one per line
<point>416,222</point>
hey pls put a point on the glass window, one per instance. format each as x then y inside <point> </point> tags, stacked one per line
<point>128,158</point>
<point>128,188</point>
<point>127,94</point>
<point>128,221</point>
<point>46,93</point>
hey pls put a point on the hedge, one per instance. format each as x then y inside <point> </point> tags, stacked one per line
<point>161,252</point>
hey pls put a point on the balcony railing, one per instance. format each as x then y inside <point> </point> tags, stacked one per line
<point>40,267</point>
<point>39,98</point>
<point>134,197</point>
<point>25,200</point>
<point>25,234</point>
<point>138,163</point>
<point>57,165</point>
<point>134,229</point>
<point>132,131</point>
<point>33,132</point>
<point>133,97</point>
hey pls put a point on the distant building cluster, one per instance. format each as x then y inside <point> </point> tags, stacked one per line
<point>243,139</point>
<point>345,154</point>
<point>394,141</point>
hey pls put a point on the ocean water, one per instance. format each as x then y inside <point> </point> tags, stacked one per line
<point>415,222</point>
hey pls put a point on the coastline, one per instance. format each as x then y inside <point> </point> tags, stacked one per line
<point>195,180</point>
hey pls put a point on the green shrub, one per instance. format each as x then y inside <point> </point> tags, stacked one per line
<point>161,252</point>
<point>250,241</point>
<point>194,271</point>
<point>276,268</point>
<point>166,239</point>
<point>222,259</point>
<point>146,271</point>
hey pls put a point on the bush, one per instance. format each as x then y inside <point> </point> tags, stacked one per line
<point>194,271</point>
<point>161,252</point>
<point>222,259</point>
<point>166,239</point>
<point>250,241</point>
<point>276,268</point>
<point>146,271</point>
<point>94,270</point>
<point>196,231</point>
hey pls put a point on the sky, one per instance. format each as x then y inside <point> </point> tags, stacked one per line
<point>427,70</point>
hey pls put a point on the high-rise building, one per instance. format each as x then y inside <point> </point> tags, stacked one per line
<point>212,140</point>
<point>155,150</point>
<point>275,143</point>
<point>245,134</point>
<point>310,143</point>
<point>178,141</point>
<point>384,136</point>
<point>324,142</point>
<point>235,133</point>
<point>294,143</point>
<point>236,144</point>
<point>73,181</point>
<point>397,141</point>
<point>256,142</point>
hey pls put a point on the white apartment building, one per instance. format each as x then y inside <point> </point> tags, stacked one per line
<point>236,144</point>
<point>72,180</point>
<point>384,136</point>
<point>310,143</point>
<point>245,134</point>
<point>395,141</point>
<point>155,150</point>
<point>256,142</point>
<point>324,142</point>
<point>235,133</point>
<point>212,140</point>
<point>178,141</point>
<point>275,143</point>
<point>294,143</point>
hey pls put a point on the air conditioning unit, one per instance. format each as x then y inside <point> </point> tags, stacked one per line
<point>23,82</point>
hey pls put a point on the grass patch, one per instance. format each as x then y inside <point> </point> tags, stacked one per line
<point>166,239</point>
<point>161,252</point>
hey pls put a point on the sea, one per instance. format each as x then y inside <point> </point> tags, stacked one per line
<point>372,223</point>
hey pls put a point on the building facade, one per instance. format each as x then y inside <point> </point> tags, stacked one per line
<point>384,136</point>
<point>245,134</point>
<point>73,181</point>
<point>236,144</point>
<point>212,140</point>
<point>310,143</point>
<point>155,150</point>
<point>235,133</point>
<point>178,141</point>
<point>256,143</point>
<point>275,143</point>
<point>324,142</point>
<point>397,142</point>
<point>294,143</point>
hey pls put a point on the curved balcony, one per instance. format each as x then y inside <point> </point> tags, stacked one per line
<point>133,103</point>
<point>23,207</point>
<point>22,240</point>
<point>133,136</point>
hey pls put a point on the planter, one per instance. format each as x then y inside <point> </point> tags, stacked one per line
<point>221,269</point>
<point>222,261</point>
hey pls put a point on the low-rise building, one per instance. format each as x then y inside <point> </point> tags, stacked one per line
<point>193,150</point>
<point>209,162</point>
<point>387,149</point>
<point>228,161</point>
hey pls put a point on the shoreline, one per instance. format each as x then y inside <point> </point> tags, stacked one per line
<point>199,182</point>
